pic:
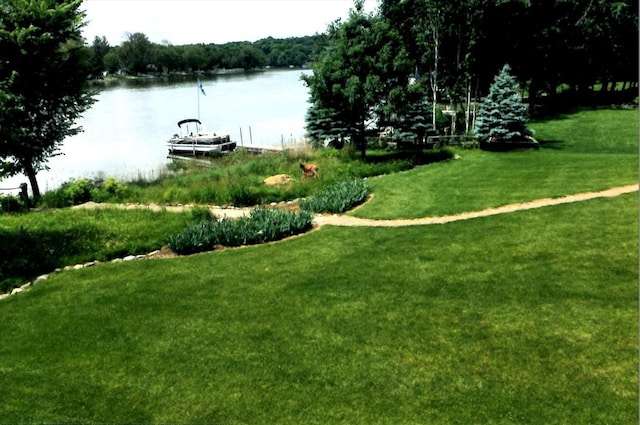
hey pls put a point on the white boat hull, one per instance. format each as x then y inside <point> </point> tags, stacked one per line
<point>199,142</point>
<point>199,148</point>
<point>193,149</point>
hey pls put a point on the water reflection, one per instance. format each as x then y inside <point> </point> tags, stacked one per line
<point>126,130</point>
<point>173,79</point>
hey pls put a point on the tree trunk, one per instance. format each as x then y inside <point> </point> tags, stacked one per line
<point>533,94</point>
<point>434,77</point>
<point>31,174</point>
<point>467,108</point>
<point>361,141</point>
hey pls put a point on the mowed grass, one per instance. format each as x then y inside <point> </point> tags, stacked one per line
<point>39,242</point>
<point>530,317</point>
<point>588,150</point>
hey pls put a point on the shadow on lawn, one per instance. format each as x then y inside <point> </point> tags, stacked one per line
<point>552,144</point>
<point>416,156</point>
<point>27,253</point>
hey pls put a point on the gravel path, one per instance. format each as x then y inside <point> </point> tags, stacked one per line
<point>344,220</point>
<point>221,212</point>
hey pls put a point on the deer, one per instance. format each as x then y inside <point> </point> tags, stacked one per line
<point>308,170</point>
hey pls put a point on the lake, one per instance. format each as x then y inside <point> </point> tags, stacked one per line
<point>126,129</point>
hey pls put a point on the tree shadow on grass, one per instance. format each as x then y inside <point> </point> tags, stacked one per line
<point>416,156</point>
<point>27,253</point>
<point>552,144</point>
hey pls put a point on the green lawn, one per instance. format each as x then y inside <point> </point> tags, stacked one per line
<point>39,242</point>
<point>529,317</point>
<point>584,151</point>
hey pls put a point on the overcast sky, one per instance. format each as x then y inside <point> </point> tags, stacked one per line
<point>211,21</point>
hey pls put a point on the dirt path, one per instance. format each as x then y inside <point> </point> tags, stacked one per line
<point>221,212</point>
<point>344,220</point>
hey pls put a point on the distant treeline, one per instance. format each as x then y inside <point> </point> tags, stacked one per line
<point>137,55</point>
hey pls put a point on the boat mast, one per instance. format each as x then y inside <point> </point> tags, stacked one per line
<point>199,88</point>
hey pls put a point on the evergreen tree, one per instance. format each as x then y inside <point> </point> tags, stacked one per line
<point>503,115</point>
<point>97,52</point>
<point>325,124</point>
<point>416,121</point>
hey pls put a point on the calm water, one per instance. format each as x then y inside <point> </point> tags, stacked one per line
<point>126,130</point>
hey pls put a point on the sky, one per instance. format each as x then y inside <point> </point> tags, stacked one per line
<point>181,22</point>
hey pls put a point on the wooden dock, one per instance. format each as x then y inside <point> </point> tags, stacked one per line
<point>261,149</point>
<point>255,150</point>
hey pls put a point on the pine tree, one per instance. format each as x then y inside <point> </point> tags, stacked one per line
<point>323,124</point>
<point>416,121</point>
<point>502,116</point>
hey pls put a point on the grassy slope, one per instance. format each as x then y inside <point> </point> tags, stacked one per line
<point>38,242</point>
<point>584,151</point>
<point>529,317</point>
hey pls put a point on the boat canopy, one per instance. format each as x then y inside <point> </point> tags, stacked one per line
<point>188,121</point>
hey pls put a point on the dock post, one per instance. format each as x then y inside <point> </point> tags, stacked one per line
<point>24,194</point>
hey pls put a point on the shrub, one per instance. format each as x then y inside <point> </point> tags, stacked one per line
<point>338,197</point>
<point>109,190</point>
<point>262,225</point>
<point>75,192</point>
<point>78,191</point>
<point>11,204</point>
<point>114,187</point>
<point>243,195</point>
<point>201,214</point>
<point>176,194</point>
<point>331,152</point>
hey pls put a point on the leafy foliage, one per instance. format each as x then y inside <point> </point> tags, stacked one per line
<point>76,192</point>
<point>361,73</point>
<point>11,204</point>
<point>337,198</point>
<point>137,54</point>
<point>546,42</point>
<point>43,70</point>
<point>262,225</point>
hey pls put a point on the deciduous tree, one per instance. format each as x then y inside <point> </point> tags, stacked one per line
<point>136,53</point>
<point>43,72</point>
<point>362,73</point>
